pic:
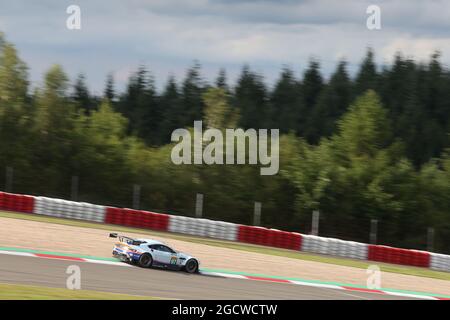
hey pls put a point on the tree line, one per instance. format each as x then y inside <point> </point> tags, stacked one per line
<point>372,146</point>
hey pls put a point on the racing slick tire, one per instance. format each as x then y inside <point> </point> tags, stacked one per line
<point>145,260</point>
<point>191,266</point>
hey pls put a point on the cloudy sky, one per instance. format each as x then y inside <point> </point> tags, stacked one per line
<point>168,35</point>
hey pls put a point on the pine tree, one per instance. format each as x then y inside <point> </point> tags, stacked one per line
<point>131,101</point>
<point>149,115</point>
<point>191,96</point>
<point>109,93</point>
<point>250,99</point>
<point>311,87</point>
<point>332,103</point>
<point>367,77</point>
<point>172,110</point>
<point>285,102</point>
<point>438,105</point>
<point>221,81</point>
<point>81,96</point>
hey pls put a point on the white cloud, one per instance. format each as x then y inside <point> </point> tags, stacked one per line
<point>419,49</point>
<point>168,35</point>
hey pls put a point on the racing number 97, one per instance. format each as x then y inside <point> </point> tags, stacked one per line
<point>173,260</point>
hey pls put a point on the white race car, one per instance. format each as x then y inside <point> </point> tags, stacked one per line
<point>152,253</point>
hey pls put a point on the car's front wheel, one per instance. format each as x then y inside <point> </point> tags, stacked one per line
<point>191,266</point>
<point>145,260</point>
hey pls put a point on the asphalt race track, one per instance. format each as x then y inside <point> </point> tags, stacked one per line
<point>161,283</point>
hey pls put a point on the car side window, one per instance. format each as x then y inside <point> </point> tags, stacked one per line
<point>160,247</point>
<point>166,249</point>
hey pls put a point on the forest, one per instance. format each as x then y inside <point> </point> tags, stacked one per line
<point>370,146</point>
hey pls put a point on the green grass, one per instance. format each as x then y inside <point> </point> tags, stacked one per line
<point>363,264</point>
<point>26,292</point>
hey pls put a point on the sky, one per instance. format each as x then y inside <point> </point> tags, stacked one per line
<point>167,36</point>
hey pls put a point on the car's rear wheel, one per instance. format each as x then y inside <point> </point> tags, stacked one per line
<point>145,260</point>
<point>191,266</point>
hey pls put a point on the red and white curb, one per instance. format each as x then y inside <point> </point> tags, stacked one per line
<point>322,285</point>
<point>229,275</point>
<point>67,258</point>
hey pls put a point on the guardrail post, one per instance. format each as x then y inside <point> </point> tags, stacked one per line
<point>257,214</point>
<point>373,231</point>
<point>9,179</point>
<point>315,223</point>
<point>136,196</point>
<point>199,205</point>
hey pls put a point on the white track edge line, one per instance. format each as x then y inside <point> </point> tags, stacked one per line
<point>225,275</point>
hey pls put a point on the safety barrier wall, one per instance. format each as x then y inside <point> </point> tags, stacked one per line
<point>269,237</point>
<point>222,230</point>
<point>399,256</point>
<point>203,227</point>
<point>137,218</point>
<point>16,202</point>
<point>440,262</point>
<point>69,209</point>
<point>335,247</point>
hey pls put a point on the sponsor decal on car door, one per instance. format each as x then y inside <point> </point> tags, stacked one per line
<point>174,259</point>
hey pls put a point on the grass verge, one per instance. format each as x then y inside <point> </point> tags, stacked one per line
<point>362,264</point>
<point>26,292</point>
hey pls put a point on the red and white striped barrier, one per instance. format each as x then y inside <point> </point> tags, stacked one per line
<point>399,256</point>
<point>222,230</point>
<point>334,247</point>
<point>270,237</point>
<point>440,262</point>
<point>137,218</point>
<point>69,209</point>
<point>16,202</point>
<point>203,227</point>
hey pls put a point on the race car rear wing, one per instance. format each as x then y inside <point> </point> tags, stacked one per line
<point>125,239</point>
